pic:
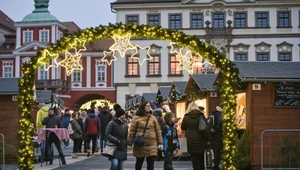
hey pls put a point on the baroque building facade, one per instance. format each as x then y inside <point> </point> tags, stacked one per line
<point>244,30</point>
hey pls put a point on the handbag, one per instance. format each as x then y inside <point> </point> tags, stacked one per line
<point>202,124</point>
<point>109,150</point>
<point>139,140</point>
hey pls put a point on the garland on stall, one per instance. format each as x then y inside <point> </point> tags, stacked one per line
<point>228,75</point>
<point>175,95</point>
<point>195,92</point>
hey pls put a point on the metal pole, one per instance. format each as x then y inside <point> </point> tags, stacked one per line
<point>3,151</point>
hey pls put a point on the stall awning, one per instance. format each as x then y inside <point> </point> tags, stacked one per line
<point>9,86</point>
<point>43,96</point>
<point>180,86</point>
<point>164,91</point>
<point>205,81</point>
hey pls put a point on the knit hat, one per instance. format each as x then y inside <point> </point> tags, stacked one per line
<point>168,116</point>
<point>119,113</point>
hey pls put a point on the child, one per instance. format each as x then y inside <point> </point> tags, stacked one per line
<point>170,140</point>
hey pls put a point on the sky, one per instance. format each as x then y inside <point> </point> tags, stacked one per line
<point>85,13</point>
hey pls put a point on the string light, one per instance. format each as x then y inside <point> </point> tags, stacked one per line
<point>122,44</point>
<point>186,61</point>
<point>148,56</point>
<point>228,75</point>
<point>71,62</point>
<point>44,60</point>
<point>107,57</point>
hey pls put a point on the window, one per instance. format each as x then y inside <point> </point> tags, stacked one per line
<point>284,57</point>
<point>154,66</point>
<point>7,68</point>
<point>101,71</point>
<point>174,63</point>
<point>283,19</point>
<point>132,66</point>
<point>197,67</point>
<point>175,21</point>
<point>218,21</point>
<point>27,36</point>
<point>240,20</point>
<point>76,76</point>
<point>262,57</point>
<point>132,19</point>
<point>59,34</point>
<point>43,74</point>
<point>153,20</point>
<point>240,57</point>
<point>262,19</point>
<point>44,36</point>
<point>196,21</point>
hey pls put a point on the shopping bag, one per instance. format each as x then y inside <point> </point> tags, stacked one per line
<point>109,150</point>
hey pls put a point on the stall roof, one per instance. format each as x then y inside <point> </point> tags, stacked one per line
<point>205,81</point>
<point>164,91</point>
<point>151,97</point>
<point>269,71</point>
<point>180,86</point>
<point>43,95</point>
<point>9,86</point>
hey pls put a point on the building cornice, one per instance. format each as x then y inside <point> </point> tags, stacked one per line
<point>39,24</point>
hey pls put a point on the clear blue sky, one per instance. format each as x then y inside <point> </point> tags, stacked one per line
<point>85,13</point>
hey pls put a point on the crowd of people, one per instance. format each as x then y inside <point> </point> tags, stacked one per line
<point>157,127</point>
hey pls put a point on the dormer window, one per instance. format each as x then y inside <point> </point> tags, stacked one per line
<point>27,36</point>
<point>44,36</point>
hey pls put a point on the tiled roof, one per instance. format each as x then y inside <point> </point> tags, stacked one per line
<point>257,71</point>
<point>164,91</point>
<point>9,86</point>
<point>99,45</point>
<point>7,22</point>
<point>71,27</point>
<point>9,40</point>
<point>143,1</point>
<point>180,86</point>
<point>205,81</point>
<point>150,97</point>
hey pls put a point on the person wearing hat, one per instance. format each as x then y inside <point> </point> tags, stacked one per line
<point>170,140</point>
<point>116,132</point>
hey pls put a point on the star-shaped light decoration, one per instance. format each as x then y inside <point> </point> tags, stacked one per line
<point>186,61</point>
<point>79,43</point>
<point>71,62</point>
<point>122,44</point>
<point>44,60</point>
<point>107,55</point>
<point>147,57</point>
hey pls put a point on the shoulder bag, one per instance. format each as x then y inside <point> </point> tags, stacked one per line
<point>139,140</point>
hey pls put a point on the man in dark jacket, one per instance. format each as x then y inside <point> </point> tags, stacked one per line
<point>52,121</point>
<point>105,117</point>
<point>217,137</point>
<point>92,130</point>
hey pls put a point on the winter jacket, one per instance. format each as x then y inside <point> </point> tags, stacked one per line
<point>77,133</point>
<point>196,140</point>
<point>51,120</point>
<point>65,120</point>
<point>105,117</point>
<point>116,133</point>
<point>170,138</point>
<point>41,114</point>
<point>91,124</point>
<point>152,135</point>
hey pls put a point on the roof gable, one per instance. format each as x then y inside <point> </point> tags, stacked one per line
<point>150,97</point>
<point>33,46</point>
<point>180,86</point>
<point>164,91</point>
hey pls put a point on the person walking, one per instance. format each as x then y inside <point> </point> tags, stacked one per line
<point>92,130</point>
<point>170,140</point>
<point>52,121</point>
<point>105,117</point>
<point>217,137</point>
<point>116,133</point>
<point>196,140</point>
<point>65,120</point>
<point>152,136</point>
<point>77,133</point>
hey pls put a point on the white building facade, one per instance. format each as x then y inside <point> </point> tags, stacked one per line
<point>244,30</point>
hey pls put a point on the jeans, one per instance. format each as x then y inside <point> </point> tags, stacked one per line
<point>54,139</point>
<point>116,164</point>
<point>76,145</point>
<point>140,161</point>
<point>93,138</point>
<point>102,142</point>
<point>198,161</point>
<point>168,164</point>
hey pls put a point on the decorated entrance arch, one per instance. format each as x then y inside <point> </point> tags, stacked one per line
<point>228,76</point>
